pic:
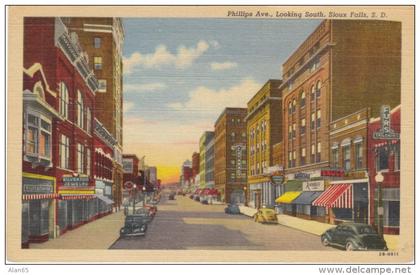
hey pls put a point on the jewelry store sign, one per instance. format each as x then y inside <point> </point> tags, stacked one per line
<point>75,181</point>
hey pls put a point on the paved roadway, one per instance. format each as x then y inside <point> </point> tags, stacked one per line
<point>187,224</point>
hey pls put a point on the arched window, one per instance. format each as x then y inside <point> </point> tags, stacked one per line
<point>294,105</point>
<point>318,88</point>
<point>88,120</point>
<point>79,109</point>
<point>302,98</point>
<point>313,92</point>
<point>290,107</point>
<point>64,100</point>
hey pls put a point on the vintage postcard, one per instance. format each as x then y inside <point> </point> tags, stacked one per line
<point>210,134</point>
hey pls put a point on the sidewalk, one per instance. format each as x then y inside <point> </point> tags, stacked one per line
<point>314,227</point>
<point>98,234</point>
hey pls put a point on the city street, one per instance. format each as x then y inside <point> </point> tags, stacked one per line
<point>187,224</point>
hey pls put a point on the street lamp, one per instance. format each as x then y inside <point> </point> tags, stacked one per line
<point>144,195</point>
<point>134,197</point>
<point>246,196</point>
<point>379,178</point>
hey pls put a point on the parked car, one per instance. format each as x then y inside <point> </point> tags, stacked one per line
<point>266,215</point>
<point>354,236</point>
<point>145,213</point>
<point>191,196</point>
<point>134,225</point>
<point>172,196</point>
<point>232,209</point>
<point>152,209</point>
<point>197,198</point>
<point>204,201</point>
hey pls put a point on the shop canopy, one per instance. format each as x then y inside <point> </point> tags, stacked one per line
<point>288,197</point>
<point>104,199</point>
<point>336,196</point>
<point>307,197</point>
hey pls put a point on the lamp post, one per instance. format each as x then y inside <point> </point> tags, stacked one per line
<point>379,178</point>
<point>134,197</point>
<point>246,196</point>
<point>144,195</point>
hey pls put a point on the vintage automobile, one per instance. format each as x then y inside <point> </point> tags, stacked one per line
<point>204,201</point>
<point>145,213</point>
<point>134,225</point>
<point>266,215</point>
<point>354,236</point>
<point>152,209</point>
<point>171,196</point>
<point>232,209</point>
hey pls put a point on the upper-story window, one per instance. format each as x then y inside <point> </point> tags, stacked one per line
<point>312,120</point>
<point>397,160</point>
<point>334,156</point>
<point>290,131</point>
<point>318,88</point>
<point>302,156</point>
<point>358,149</point>
<point>80,153</point>
<point>318,152</point>
<point>64,152</point>
<point>97,62</point>
<point>294,105</point>
<point>64,100</point>
<point>290,85</point>
<point>97,42</point>
<point>290,108</point>
<point>102,85</point>
<point>38,136</point>
<point>294,130</point>
<point>302,126</point>
<point>312,92</point>
<point>79,108</point>
<point>313,153</point>
<point>88,120</point>
<point>318,118</point>
<point>345,147</point>
<point>302,99</point>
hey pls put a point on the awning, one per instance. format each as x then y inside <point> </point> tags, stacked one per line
<point>39,196</point>
<point>77,197</point>
<point>336,196</point>
<point>307,197</point>
<point>288,197</point>
<point>104,199</point>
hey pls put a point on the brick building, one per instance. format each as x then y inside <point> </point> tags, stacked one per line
<point>102,39</point>
<point>195,164</point>
<point>59,103</point>
<point>230,164</point>
<point>342,67</point>
<point>264,129</point>
<point>204,140</point>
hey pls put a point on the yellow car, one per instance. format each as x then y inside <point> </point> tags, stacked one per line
<point>266,215</point>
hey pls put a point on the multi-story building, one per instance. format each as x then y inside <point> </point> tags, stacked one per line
<point>264,129</point>
<point>342,67</point>
<point>195,164</point>
<point>204,139</point>
<point>186,174</point>
<point>230,164</point>
<point>102,39</point>
<point>209,165</point>
<point>131,168</point>
<point>59,103</point>
<point>384,158</point>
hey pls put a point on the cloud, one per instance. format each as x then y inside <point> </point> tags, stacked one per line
<point>146,87</point>
<point>216,66</point>
<point>182,59</point>
<point>212,102</point>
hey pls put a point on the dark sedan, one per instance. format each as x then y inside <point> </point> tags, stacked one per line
<point>134,225</point>
<point>232,209</point>
<point>354,236</point>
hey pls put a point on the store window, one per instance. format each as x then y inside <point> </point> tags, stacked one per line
<point>64,100</point>
<point>64,152</point>
<point>97,62</point>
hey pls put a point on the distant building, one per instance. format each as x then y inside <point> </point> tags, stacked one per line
<point>204,139</point>
<point>209,165</point>
<point>195,164</point>
<point>230,163</point>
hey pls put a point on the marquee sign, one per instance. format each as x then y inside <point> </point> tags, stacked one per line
<point>386,132</point>
<point>239,149</point>
<point>75,181</point>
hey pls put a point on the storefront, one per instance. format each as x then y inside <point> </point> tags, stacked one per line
<point>38,208</point>
<point>285,205</point>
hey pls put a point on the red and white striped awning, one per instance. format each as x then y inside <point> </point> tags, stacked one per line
<point>336,196</point>
<point>77,197</point>
<point>27,197</point>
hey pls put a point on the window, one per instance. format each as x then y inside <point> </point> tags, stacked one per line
<point>313,153</point>
<point>290,131</point>
<point>88,120</point>
<point>318,152</point>
<point>382,159</point>
<point>359,155</point>
<point>97,62</point>
<point>318,119</point>
<point>38,136</point>
<point>79,104</point>
<point>312,121</point>
<point>80,158</point>
<point>312,92</point>
<point>302,126</point>
<point>397,158</point>
<point>294,105</point>
<point>290,107</point>
<point>346,157</point>
<point>302,99</point>
<point>302,156</point>
<point>290,85</point>
<point>334,156</point>
<point>318,88</point>
<point>294,130</point>
<point>290,159</point>
<point>88,161</point>
<point>97,42</point>
<point>64,100</point>
<point>64,152</point>
<point>102,86</point>
<point>294,158</point>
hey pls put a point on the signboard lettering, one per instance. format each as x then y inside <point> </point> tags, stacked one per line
<point>77,181</point>
<point>313,185</point>
<point>332,173</point>
<point>302,176</point>
<point>386,132</point>
<point>38,189</point>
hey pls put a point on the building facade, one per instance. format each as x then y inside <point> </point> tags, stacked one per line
<point>264,129</point>
<point>102,39</point>
<point>230,164</point>
<point>204,140</point>
<point>195,164</point>
<point>58,144</point>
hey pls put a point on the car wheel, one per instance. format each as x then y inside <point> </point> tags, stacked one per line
<point>349,246</point>
<point>325,241</point>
